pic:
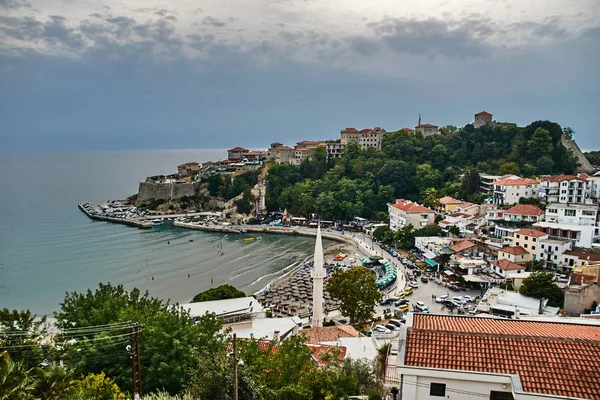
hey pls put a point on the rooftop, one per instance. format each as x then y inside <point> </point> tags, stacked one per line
<point>222,307</point>
<point>514,250</point>
<point>449,200</point>
<point>552,358</point>
<point>560,178</point>
<point>463,245</point>
<point>525,209</point>
<point>426,126</point>
<point>507,265</point>
<point>483,113</point>
<point>328,334</point>
<point>239,149</point>
<point>531,232</point>
<point>350,130</point>
<point>516,182</point>
<point>583,255</point>
<point>410,207</point>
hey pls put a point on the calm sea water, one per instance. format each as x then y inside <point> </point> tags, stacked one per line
<point>48,247</point>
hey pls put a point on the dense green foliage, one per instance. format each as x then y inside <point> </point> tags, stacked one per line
<point>246,203</point>
<point>229,186</point>
<point>357,292</point>
<point>219,293</point>
<point>542,285</point>
<point>593,157</point>
<point>171,343</point>
<point>360,183</point>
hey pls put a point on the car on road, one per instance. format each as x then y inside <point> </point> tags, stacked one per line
<point>442,298</point>
<point>403,307</point>
<point>391,327</point>
<point>386,302</point>
<point>424,279</point>
<point>459,300</point>
<point>400,302</point>
<point>466,297</point>
<point>408,291</point>
<point>399,296</point>
<point>413,284</point>
<point>421,306</point>
<point>450,304</point>
<point>397,322</point>
<point>387,311</point>
<point>381,329</point>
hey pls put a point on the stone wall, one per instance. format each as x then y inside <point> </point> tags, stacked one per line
<point>585,165</point>
<point>577,299</point>
<point>165,191</point>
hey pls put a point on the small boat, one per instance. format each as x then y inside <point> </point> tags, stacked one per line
<point>248,239</point>
<point>157,222</point>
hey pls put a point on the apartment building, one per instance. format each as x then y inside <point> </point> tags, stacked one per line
<point>528,239</point>
<point>523,213</point>
<point>579,235</point>
<point>565,189</point>
<point>551,250</point>
<point>448,204</point>
<point>405,212</point>
<point>510,190</point>
<point>572,214</point>
<point>516,254</point>
<point>335,148</point>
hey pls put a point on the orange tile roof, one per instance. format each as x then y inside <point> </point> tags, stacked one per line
<point>516,182</point>
<point>350,130</point>
<point>552,358</point>
<point>483,113</point>
<point>328,334</point>
<point>318,350</point>
<point>449,200</point>
<point>463,245</point>
<point>583,255</point>
<point>507,265</point>
<point>426,126</point>
<point>560,178</point>
<point>525,209</point>
<point>410,207</point>
<point>514,250</point>
<point>238,149</point>
<point>531,232</point>
<point>459,214</point>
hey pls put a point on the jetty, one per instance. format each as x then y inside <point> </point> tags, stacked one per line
<point>137,223</point>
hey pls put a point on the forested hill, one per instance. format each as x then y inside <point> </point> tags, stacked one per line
<point>415,167</point>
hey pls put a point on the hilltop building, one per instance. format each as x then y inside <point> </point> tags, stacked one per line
<point>364,138</point>
<point>427,129</point>
<point>483,118</point>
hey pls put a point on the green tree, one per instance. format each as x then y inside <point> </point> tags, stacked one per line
<point>52,381</point>
<point>16,382</point>
<point>405,237</point>
<point>540,144</point>
<point>430,198</point>
<point>429,230</point>
<point>357,292</point>
<point>542,285</point>
<point>509,168</point>
<point>544,165</point>
<point>383,234</point>
<point>94,387</point>
<point>20,334</point>
<point>470,183</point>
<point>170,343</point>
<point>219,293</point>
<point>454,231</point>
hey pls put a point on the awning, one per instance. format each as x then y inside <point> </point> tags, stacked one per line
<point>376,258</point>
<point>431,262</point>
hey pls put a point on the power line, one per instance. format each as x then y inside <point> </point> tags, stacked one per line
<point>458,391</point>
<point>74,331</point>
<point>67,342</point>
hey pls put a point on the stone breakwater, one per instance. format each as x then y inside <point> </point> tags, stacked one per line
<point>130,222</point>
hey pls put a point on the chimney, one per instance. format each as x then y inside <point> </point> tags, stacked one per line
<point>276,336</point>
<point>541,309</point>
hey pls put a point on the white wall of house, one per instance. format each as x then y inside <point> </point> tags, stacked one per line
<point>510,194</point>
<point>580,236</point>
<point>572,214</point>
<point>529,243</point>
<point>551,251</point>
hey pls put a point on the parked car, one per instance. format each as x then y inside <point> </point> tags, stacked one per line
<point>466,297</point>
<point>421,306</point>
<point>459,300</point>
<point>413,284</point>
<point>450,304</point>
<point>396,322</point>
<point>381,329</point>
<point>386,302</point>
<point>403,307</point>
<point>387,311</point>
<point>401,302</point>
<point>442,298</point>
<point>408,290</point>
<point>424,279</point>
<point>391,327</point>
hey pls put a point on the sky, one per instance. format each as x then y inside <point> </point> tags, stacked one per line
<point>144,74</point>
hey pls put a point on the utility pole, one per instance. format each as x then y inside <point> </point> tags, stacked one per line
<point>134,354</point>
<point>235,368</point>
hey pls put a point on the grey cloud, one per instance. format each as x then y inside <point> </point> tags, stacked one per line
<point>432,37</point>
<point>549,29</point>
<point>14,4</point>
<point>208,20</point>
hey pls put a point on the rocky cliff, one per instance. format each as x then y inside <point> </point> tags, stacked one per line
<point>584,164</point>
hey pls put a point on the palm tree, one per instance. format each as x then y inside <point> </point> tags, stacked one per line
<point>15,380</point>
<point>52,380</point>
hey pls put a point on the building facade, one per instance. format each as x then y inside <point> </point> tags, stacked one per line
<point>565,189</point>
<point>483,118</point>
<point>427,129</point>
<point>510,190</point>
<point>528,239</point>
<point>405,212</point>
<point>364,138</point>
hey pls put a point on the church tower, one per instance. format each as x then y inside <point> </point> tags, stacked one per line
<point>318,274</point>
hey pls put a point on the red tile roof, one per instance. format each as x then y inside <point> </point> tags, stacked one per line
<point>238,149</point>
<point>250,153</point>
<point>459,214</point>
<point>531,232</point>
<point>552,358</point>
<point>525,209</point>
<point>560,178</point>
<point>426,126</point>
<point>328,334</point>
<point>583,255</point>
<point>350,130</point>
<point>407,130</point>
<point>450,200</point>
<point>483,113</point>
<point>507,265</point>
<point>516,182</point>
<point>514,250</point>
<point>463,245</point>
<point>410,207</point>
<point>319,350</point>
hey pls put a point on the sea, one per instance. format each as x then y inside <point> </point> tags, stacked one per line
<point>48,247</point>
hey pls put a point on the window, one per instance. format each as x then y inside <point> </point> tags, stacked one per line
<point>570,213</point>
<point>437,389</point>
<point>588,213</point>
<point>495,395</point>
<point>534,239</point>
<point>532,247</point>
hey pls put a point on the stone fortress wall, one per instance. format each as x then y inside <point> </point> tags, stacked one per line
<point>166,191</point>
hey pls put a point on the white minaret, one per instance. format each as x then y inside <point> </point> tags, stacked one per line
<point>318,275</point>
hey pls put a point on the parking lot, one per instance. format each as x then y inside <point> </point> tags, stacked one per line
<point>426,293</point>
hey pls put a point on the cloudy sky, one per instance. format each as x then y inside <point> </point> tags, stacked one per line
<point>145,74</point>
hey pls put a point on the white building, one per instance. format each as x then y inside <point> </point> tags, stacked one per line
<point>579,235</point>
<point>228,310</point>
<point>471,358</point>
<point>551,251</point>
<point>504,303</point>
<point>405,212</point>
<point>365,138</point>
<point>510,190</point>
<point>427,129</point>
<point>505,268</point>
<point>523,213</point>
<point>572,214</point>
<point>565,189</point>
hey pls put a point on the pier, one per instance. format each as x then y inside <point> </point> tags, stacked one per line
<point>143,224</point>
